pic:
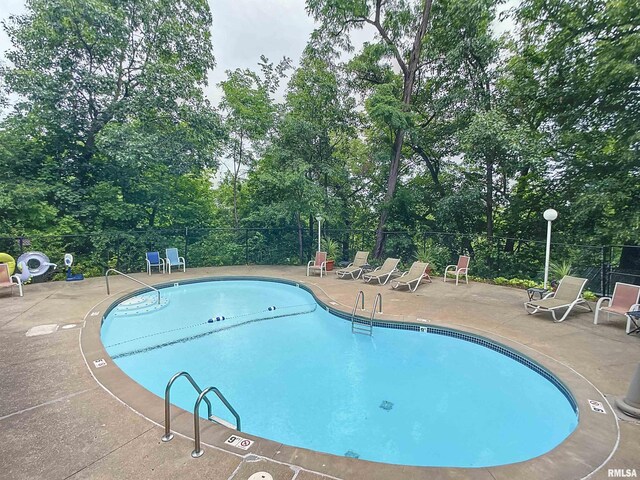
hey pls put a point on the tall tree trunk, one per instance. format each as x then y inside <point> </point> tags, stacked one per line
<point>392,182</point>
<point>409,73</point>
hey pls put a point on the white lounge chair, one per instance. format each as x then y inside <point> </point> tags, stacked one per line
<point>354,270</point>
<point>415,274</point>
<point>382,274</point>
<point>625,298</point>
<point>173,260</point>
<point>567,295</point>
<point>462,268</point>
<point>319,264</point>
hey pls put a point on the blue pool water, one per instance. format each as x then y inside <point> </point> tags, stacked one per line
<point>300,377</point>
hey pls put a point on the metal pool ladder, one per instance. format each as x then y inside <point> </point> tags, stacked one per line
<point>106,278</point>
<point>197,452</point>
<point>359,325</point>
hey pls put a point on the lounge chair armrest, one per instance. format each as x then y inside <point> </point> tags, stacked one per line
<point>310,263</point>
<point>148,262</point>
<point>17,279</point>
<point>601,301</point>
<point>549,295</point>
<point>181,259</point>
<point>634,307</point>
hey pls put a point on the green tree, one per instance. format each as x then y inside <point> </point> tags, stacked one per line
<point>573,78</point>
<point>401,28</point>
<point>250,115</point>
<point>109,100</point>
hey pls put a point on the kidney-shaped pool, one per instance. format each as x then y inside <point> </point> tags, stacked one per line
<point>296,374</point>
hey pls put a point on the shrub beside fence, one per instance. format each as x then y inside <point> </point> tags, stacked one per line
<point>492,258</point>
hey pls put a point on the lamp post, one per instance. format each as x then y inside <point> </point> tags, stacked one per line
<point>319,219</point>
<point>549,215</point>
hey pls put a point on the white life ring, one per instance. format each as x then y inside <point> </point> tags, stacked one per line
<point>37,263</point>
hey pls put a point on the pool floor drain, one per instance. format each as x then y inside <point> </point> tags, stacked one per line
<point>386,405</point>
<point>352,454</point>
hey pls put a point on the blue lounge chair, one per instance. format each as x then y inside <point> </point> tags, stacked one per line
<point>154,260</point>
<point>173,260</point>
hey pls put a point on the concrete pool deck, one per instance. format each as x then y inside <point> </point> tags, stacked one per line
<point>59,423</point>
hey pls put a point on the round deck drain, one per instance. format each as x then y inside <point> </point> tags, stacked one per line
<point>261,476</point>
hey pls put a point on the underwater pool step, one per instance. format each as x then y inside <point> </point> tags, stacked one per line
<point>140,305</point>
<point>222,421</point>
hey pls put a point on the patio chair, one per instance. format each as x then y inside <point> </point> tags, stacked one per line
<point>173,260</point>
<point>382,274</point>
<point>625,298</point>
<point>155,260</point>
<point>462,268</point>
<point>567,295</point>
<point>415,274</point>
<point>9,281</point>
<point>318,264</point>
<point>354,269</point>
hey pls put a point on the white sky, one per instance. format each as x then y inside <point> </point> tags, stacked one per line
<point>242,31</point>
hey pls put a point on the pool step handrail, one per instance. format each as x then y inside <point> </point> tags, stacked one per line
<point>360,325</point>
<point>376,304</point>
<point>106,278</point>
<point>197,451</point>
<point>359,297</point>
<point>167,403</point>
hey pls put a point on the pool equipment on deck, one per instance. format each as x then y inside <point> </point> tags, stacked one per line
<point>37,262</point>
<point>71,277</point>
<point>25,274</point>
<point>631,403</point>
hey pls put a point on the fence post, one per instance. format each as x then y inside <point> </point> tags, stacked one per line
<point>117,252</point>
<point>246,246</point>
<point>605,269</point>
<point>186,242</point>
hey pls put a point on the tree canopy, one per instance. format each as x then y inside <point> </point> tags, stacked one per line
<point>436,124</point>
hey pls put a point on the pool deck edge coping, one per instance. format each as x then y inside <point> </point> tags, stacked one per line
<point>577,451</point>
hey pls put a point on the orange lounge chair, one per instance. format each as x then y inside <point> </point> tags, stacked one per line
<point>625,298</point>
<point>9,281</point>
<point>462,268</point>
<point>319,264</point>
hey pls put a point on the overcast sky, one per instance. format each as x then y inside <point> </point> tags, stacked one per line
<point>242,31</point>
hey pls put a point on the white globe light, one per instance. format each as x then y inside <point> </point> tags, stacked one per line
<point>550,215</point>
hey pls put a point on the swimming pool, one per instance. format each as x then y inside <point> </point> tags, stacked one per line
<point>297,375</point>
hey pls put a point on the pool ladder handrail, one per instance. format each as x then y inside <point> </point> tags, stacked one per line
<point>197,451</point>
<point>167,403</point>
<point>106,278</point>
<point>361,325</point>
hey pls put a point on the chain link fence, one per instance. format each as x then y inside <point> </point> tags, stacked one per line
<point>494,258</point>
